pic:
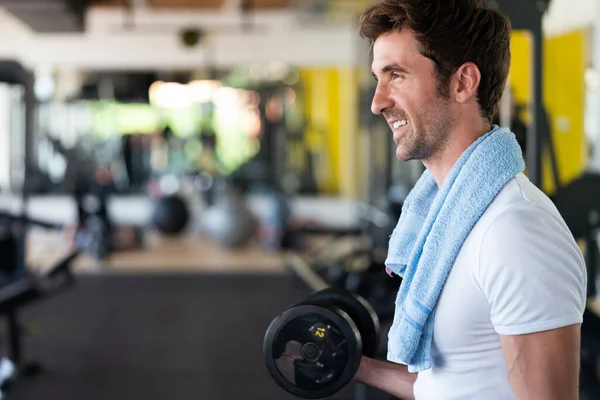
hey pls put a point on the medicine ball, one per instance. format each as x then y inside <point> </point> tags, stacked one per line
<point>170,215</point>
<point>229,224</point>
<point>229,221</point>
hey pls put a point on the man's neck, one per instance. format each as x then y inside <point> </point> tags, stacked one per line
<point>459,140</point>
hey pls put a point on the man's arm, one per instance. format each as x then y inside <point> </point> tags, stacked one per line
<point>388,377</point>
<point>544,365</point>
<point>534,277</point>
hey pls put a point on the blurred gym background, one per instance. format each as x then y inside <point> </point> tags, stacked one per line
<point>193,167</point>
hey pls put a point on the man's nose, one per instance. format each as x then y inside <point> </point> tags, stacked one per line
<point>381,101</point>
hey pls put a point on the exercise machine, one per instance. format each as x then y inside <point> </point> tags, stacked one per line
<point>20,285</point>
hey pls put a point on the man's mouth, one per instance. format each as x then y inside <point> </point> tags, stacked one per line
<point>399,124</point>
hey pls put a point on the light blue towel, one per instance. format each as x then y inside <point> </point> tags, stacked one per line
<point>430,232</point>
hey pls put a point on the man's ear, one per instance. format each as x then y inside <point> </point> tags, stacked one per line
<point>466,82</point>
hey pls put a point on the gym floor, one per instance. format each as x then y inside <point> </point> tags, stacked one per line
<point>180,319</point>
<point>161,255</point>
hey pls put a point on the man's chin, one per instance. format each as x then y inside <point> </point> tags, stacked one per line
<point>402,155</point>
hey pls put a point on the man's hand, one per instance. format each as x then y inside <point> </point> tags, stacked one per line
<point>544,365</point>
<point>388,377</point>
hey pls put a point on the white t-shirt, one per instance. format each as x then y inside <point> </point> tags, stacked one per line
<point>519,271</point>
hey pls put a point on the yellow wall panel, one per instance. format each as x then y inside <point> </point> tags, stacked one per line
<point>564,63</point>
<point>331,100</point>
<point>564,97</point>
<point>520,69</point>
<point>349,121</point>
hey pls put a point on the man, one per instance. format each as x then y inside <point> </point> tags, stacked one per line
<point>507,320</point>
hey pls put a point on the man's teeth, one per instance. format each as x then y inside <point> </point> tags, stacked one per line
<point>400,123</point>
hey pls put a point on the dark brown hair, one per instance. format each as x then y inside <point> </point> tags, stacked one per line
<point>450,33</point>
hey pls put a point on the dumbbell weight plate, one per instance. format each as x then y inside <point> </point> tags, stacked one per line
<point>359,309</point>
<point>312,351</point>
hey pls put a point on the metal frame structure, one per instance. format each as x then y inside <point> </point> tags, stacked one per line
<point>527,16</point>
<point>24,287</point>
<point>14,73</point>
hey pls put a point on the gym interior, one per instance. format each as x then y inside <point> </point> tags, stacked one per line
<point>177,173</point>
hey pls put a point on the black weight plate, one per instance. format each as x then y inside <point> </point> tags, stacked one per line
<point>312,351</point>
<point>359,309</point>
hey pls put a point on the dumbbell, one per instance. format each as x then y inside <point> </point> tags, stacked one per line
<point>313,349</point>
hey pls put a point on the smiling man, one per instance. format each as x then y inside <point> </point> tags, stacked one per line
<point>494,284</point>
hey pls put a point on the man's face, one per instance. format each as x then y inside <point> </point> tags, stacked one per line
<point>407,96</point>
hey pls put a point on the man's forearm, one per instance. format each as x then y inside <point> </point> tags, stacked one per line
<point>389,377</point>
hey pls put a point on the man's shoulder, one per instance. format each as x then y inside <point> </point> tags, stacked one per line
<point>525,234</point>
<point>528,264</point>
<point>521,221</point>
<point>521,206</point>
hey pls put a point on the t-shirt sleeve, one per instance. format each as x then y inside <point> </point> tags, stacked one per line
<point>532,272</point>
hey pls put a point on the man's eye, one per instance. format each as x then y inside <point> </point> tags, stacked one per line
<point>396,75</point>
